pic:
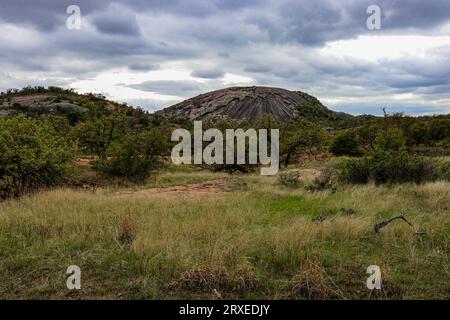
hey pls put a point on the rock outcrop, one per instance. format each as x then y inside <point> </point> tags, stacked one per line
<point>245,104</point>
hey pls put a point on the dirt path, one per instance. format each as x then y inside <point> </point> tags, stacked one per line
<point>204,187</point>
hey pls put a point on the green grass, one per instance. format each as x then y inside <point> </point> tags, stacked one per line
<point>257,242</point>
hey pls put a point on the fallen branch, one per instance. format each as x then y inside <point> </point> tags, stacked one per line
<point>384,223</point>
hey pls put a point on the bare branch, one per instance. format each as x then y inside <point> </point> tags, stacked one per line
<point>384,223</point>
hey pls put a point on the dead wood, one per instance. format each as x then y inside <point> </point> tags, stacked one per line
<point>384,223</point>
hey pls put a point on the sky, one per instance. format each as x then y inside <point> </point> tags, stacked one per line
<point>155,53</point>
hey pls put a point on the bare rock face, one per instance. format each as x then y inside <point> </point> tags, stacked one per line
<point>244,104</point>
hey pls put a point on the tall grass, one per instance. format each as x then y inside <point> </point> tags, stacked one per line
<point>259,243</point>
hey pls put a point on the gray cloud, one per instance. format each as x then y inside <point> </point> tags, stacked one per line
<point>257,69</point>
<point>376,109</point>
<point>283,19</point>
<point>168,87</point>
<point>137,66</point>
<point>117,20</point>
<point>208,74</point>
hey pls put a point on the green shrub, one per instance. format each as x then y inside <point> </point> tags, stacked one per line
<point>32,155</point>
<point>391,168</point>
<point>356,171</point>
<point>345,144</point>
<point>390,163</point>
<point>135,156</point>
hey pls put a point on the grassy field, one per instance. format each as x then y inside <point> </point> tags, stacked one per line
<point>256,239</point>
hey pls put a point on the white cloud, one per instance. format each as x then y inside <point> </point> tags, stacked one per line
<point>374,48</point>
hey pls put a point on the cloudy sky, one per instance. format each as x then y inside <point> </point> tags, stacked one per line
<point>154,53</point>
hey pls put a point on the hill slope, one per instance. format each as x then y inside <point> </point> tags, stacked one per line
<point>40,101</point>
<point>250,103</point>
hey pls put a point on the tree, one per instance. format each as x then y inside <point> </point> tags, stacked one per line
<point>366,135</point>
<point>345,144</point>
<point>299,136</point>
<point>97,134</point>
<point>135,156</point>
<point>32,155</point>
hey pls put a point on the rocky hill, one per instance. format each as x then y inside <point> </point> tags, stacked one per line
<point>40,101</point>
<point>250,104</point>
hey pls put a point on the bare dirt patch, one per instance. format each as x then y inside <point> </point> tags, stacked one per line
<point>30,99</point>
<point>84,162</point>
<point>213,186</point>
<point>307,174</point>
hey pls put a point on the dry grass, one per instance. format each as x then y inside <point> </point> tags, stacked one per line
<point>256,243</point>
<point>126,231</point>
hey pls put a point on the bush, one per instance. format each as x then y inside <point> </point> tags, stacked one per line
<point>356,171</point>
<point>392,168</point>
<point>398,167</point>
<point>289,179</point>
<point>134,157</point>
<point>32,155</point>
<point>345,144</point>
<point>390,163</point>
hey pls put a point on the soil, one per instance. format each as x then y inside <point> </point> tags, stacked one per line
<point>213,186</point>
